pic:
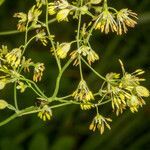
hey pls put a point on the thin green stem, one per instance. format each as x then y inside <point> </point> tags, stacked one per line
<point>97,110</point>
<point>78,41</point>
<point>51,39</point>
<point>26,34</point>
<point>59,78</point>
<point>18,32</point>
<point>19,113</point>
<point>64,97</point>
<point>37,91</point>
<point>28,42</point>
<point>15,89</point>
<point>94,71</point>
<point>91,30</point>
<point>15,96</point>
<point>104,102</point>
<point>80,67</point>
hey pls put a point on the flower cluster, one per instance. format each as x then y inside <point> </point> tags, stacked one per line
<point>86,106</point>
<point>125,91</point>
<point>41,36</point>
<point>100,122</point>
<point>82,93</point>
<point>84,51</point>
<point>45,113</point>
<point>11,65</point>
<point>38,72</point>
<point>14,57</point>
<point>116,22</point>
<point>62,8</point>
<point>62,50</point>
<point>31,17</point>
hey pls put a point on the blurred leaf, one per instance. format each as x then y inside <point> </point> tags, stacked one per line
<point>9,144</point>
<point>39,142</point>
<point>64,143</point>
<point>1,2</point>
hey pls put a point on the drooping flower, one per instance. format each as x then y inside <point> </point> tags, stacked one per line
<point>38,72</point>
<point>14,57</point>
<point>63,49</point>
<point>84,51</point>
<point>45,113</point>
<point>92,57</point>
<point>41,35</point>
<point>22,21</point>
<point>62,15</point>
<point>100,122</point>
<point>82,93</point>
<point>86,106</point>
<point>26,63</point>
<point>106,22</point>
<point>125,18</point>
<point>34,14</point>
<point>135,102</point>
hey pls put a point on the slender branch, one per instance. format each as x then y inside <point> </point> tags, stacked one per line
<point>15,96</point>
<point>93,69</point>
<point>51,39</point>
<point>38,92</point>
<point>18,32</point>
<point>59,77</point>
<point>19,113</point>
<point>78,41</point>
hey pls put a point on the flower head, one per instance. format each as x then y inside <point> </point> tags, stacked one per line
<point>125,18</point>
<point>63,49</point>
<point>62,15</point>
<point>134,102</point>
<point>84,51</point>
<point>26,63</point>
<point>86,106</point>
<point>125,91</point>
<point>56,6</point>
<point>100,122</point>
<point>106,22</point>
<point>41,35</point>
<point>45,113</point>
<point>3,104</point>
<point>82,93</point>
<point>22,21</point>
<point>38,72</point>
<point>33,14</point>
<point>14,57</point>
<point>21,86</point>
<point>92,56</point>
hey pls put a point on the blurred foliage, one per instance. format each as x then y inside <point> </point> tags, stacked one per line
<point>68,130</point>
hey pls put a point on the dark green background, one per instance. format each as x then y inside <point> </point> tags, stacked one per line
<point>68,129</point>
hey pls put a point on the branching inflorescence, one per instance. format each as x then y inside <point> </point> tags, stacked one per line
<point>123,91</point>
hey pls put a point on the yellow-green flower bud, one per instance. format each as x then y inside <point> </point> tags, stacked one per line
<point>62,15</point>
<point>63,49</point>
<point>84,9</point>
<point>3,104</point>
<point>2,83</point>
<point>51,10</point>
<point>95,1</point>
<point>142,91</point>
